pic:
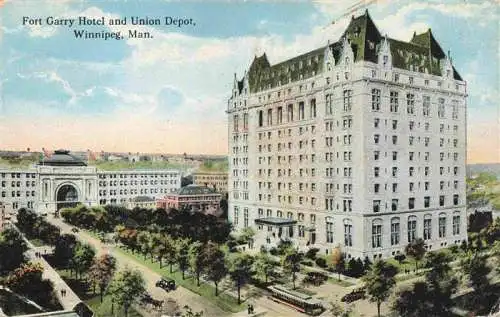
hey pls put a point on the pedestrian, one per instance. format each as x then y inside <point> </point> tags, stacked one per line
<point>248,309</point>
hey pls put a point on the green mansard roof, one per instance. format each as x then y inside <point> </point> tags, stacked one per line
<point>422,53</point>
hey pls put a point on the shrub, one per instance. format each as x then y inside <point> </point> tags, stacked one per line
<point>311,253</point>
<point>321,262</point>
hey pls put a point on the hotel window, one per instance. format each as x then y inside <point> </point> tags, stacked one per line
<point>455,170</point>
<point>441,200</point>
<point>456,224</point>
<point>411,203</point>
<point>394,205</point>
<point>427,201</point>
<point>454,113</point>
<point>441,111</point>
<point>411,125</point>
<point>411,170</point>
<point>376,171</point>
<point>455,184</point>
<point>329,104</point>
<point>235,218</point>
<point>376,99</point>
<point>427,229</point>
<point>410,103</point>
<point>301,111</point>
<point>442,226</point>
<point>289,113</point>
<point>347,100</point>
<point>261,119</point>
<point>348,235</point>
<point>376,138</point>
<point>394,124</point>
<point>455,142</point>
<point>376,188</point>
<point>410,140</point>
<point>376,155</point>
<point>394,171</point>
<point>376,205</point>
<point>245,217</point>
<point>394,139</point>
<point>394,101</point>
<point>426,108</point>
<point>280,115</point>
<point>329,230</point>
<point>412,228</point>
<point>376,122</point>
<point>455,199</point>
<point>394,187</point>
<point>269,117</point>
<point>395,231</point>
<point>410,155</point>
<point>376,233</point>
<point>245,121</point>
<point>313,108</point>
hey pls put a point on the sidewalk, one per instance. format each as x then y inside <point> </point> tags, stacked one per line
<point>70,300</point>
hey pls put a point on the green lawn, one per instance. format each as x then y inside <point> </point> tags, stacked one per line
<point>37,242</point>
<point>225,301</point>
<point>339,283</point>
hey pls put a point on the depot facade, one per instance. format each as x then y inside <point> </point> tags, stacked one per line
<point>65,181</point>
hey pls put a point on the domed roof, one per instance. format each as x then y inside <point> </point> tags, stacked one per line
<point>62,158</point>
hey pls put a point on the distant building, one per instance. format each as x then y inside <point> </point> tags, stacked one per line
<point>215,180</point>
<point>141,202</point>
<point>64,180</point>
<point>194,198</point>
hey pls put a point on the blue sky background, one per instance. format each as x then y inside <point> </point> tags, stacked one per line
<point>169,94</point>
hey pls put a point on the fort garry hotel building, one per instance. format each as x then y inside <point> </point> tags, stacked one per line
<point>360,144</point>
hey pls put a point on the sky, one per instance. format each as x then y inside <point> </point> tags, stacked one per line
<point>169,94</point>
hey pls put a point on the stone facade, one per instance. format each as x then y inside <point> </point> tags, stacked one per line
<point>215,180</point>
<point>362,143</point>
<point>66,180</point>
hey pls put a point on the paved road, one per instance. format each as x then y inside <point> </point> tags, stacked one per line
<point>181,295</point>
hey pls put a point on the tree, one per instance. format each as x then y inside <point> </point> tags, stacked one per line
<point>416,250</point>
<point>143,242</point>
<point>101,272</point>
<point>414,302</point>
<point>492,232</point>
<point>337,311</point>
<point>432,297</point>
<point>189,312</point>
<point>246,236</point>
<point>83,258</point>
<point>380,281</point>
<point>477,271</point>
<point>264,265</point>
<point>216,268</point>
<point>126,287</point>
<point>291,263</point>
<point>170,252</point>
<point>64,249</point>
<point>197,260</point>
<point>27,280</point>
<point>337,261</point>
<point>12,248</point>
<point>183,254</point>
<point>26,220</point>
<point>240,270</point>
<point>400,258</point>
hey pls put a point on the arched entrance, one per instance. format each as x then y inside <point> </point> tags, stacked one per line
<point>66,196</point>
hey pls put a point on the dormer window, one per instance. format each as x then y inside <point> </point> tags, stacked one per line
<point>448,73</point>
<point>386,59</point>
<point>347,60</point>
<point>329,66</point>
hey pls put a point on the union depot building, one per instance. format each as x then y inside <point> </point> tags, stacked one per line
<point>360,143</point>
<point>64,180</point>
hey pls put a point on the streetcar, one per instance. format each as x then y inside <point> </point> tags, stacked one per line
<point>299,301</point>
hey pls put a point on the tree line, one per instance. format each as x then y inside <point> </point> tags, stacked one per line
<point>177,223</point>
